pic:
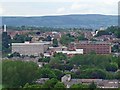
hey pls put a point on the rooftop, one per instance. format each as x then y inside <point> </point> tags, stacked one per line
<point>28,43</point>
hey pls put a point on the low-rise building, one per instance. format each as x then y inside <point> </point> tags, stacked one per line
<point>30,48</point>
<point>41,80</point>
<point>100,83</point>
<point>71,53</point>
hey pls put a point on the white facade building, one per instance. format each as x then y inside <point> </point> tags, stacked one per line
<point>77,51</point>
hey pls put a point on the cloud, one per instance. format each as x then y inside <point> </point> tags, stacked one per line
<point>37,1</point>
<point>1,10</point>
<point>95,7</point>
<point>60,10</point>
<point>58,7</point>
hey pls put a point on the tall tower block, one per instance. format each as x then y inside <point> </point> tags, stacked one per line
<point>5,28</point>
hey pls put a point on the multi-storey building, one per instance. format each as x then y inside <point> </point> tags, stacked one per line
<point>30,48</point>
<point>89,46</point>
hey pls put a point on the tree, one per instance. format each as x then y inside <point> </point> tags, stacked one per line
<point>66,39</point>
<point>6,43</point>
<point>15,54</point>
<point>48,38</point>
<point>50,83</point>
<point>21,38</point>
<point>46,73</point>
<point>61,56</point>
<point>55,62</point>
<point>112,67</point>
<point>97,74</point>
<point>44,59</point>
<point>33,86</point>
<point>58,73</point>
<point>55,43</point>
<point>118,61</point>
<point>92,86</point>
<point>79,86</point>
<point>18,73</point>
<point>82,37</point>
<point>103,32</point>
<point>118,75</point>
<point>115,30</point>
<point>59,85</point>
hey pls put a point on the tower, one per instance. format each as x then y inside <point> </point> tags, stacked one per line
<point>4,28</point>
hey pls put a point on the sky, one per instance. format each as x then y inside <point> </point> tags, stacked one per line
<point>57,7</point>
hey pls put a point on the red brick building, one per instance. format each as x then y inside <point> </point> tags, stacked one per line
<point>97,47</point>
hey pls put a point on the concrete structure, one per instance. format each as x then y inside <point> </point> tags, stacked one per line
<point>108,84</point>
<point>66,78</point>
<point>5,28</point>
<point>60,48</point>
<point>101,83</point>
<point>30,48</point>
<point>89,46</point>
<point>41,80</point>
<point>77,51</point>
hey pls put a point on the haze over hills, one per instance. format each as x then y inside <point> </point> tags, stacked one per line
<point>93,21</point>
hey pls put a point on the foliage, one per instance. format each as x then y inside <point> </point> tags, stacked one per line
<point>59,85</point>
<point>91,59</point>
<point>18,73</point>
<point>61,56</point>
<point>15,54</point>
<point>92,86</point>
<point>95,66</point>
<point>115,48</point>
<point>48,38</point>
<point>94,73</point>
<point>102,32</point>
<point>118,61</point>
<point>118,75</point>
<point>112,67</point>
<point>66,39</point>
<point>79,86</point>
<point>115,30</point>
<point>58,73</point>
<point>44,59</point>
<point>46,73</point>
<point>6,43</point>
<point>82,37</point>
<point>55,43</point>
<point>50,83</point>
<point>21,38</point>
<point>55,62</point>
<point>28,86</point>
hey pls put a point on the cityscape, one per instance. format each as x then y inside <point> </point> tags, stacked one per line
<point>55,52</point>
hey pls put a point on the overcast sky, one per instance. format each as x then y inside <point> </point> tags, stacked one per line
<point>57,7</point>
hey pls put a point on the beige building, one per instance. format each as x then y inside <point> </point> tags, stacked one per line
<point>30,48</point>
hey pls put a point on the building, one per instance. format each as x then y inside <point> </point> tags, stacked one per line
<point>90,46</point>
<point>30,48</point>
<point>66,78</point>
<point>41,80</point>
<point>108,84</point>
<point>60,48</point>
<point>71,53</point>
<point>100,83</point>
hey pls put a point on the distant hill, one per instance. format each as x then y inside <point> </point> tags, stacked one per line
<point>86,20</point>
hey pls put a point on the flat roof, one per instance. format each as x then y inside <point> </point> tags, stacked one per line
<point>93,42</point>
<point>41,43</point>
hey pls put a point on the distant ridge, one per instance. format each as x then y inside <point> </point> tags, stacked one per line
<point>93,21</point>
